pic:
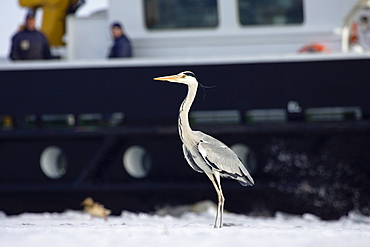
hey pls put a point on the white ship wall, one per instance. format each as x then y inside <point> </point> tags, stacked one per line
<point>89,38</point>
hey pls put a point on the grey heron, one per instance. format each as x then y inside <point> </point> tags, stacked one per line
<point>204,153</point>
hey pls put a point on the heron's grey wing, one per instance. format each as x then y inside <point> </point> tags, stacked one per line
<point>189,158</point>
<point>221,158</point>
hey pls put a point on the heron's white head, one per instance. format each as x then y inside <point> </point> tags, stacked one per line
<point>186,77</point>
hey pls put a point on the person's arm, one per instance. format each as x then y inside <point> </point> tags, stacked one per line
<point>14,54</point>
<point>46,49</point>
<point>119,49</point>
<point>124,49</point>
<point>127,49</point>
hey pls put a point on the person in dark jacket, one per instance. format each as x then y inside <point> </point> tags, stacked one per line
<point>121,46</point>
<point>29,43</point>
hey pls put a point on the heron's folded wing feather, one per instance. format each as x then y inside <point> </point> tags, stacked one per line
<point>190,160</point>
<point>221,158</point>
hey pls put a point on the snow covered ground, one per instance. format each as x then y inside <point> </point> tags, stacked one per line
<point>75,228</point>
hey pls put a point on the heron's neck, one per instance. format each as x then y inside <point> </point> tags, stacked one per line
<point>184,126</point>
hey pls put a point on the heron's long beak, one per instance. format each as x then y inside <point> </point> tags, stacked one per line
<point>171,78</point>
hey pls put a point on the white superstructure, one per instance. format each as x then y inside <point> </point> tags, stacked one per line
<point>322,22</point>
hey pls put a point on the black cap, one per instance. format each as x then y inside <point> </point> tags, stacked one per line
<point>30,14</point>
<point>117,24</point>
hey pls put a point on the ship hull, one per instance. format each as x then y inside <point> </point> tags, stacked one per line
<point>299,164</point>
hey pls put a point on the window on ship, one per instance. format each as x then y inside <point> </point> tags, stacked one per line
<point>171,14</point>
<point>270,12</point>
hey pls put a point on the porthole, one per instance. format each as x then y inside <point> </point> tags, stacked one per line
<point>137,162</point>
<point>53,162</point>
<point>247,156</point>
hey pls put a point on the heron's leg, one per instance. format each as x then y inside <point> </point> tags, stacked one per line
<point>221,198</point>
<point>215,178</point>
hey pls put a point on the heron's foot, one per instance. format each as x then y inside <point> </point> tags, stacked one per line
<point>217,225</point>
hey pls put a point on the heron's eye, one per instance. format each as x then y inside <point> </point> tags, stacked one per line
<point>183,76</point>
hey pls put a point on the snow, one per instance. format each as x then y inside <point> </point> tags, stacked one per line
<point>75,228</point>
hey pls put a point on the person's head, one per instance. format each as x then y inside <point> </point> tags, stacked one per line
<point>117,30</point>
<point>30,23</point>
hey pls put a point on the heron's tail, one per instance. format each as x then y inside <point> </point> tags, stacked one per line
<point>246,179</point>
<point>246,182</point>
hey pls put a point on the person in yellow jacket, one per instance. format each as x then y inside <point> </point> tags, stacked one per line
<point>55,12</point>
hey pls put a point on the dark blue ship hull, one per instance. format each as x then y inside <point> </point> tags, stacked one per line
<point>300,162</point>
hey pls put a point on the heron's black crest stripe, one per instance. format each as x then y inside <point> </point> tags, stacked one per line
<point>189,73</point>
